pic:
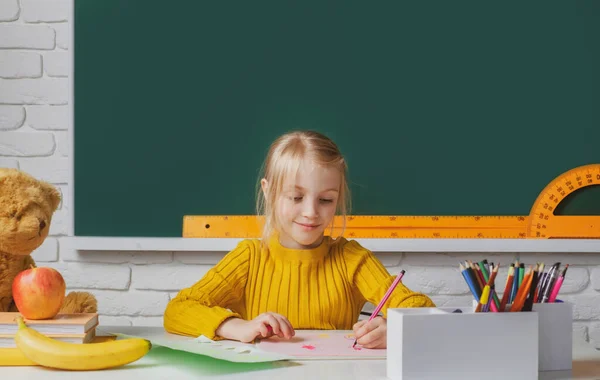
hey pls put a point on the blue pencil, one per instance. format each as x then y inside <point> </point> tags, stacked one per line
<point>515,285</point>
<point>469,281</point>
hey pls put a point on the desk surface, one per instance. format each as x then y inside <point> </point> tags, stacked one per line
<point>164,363</point>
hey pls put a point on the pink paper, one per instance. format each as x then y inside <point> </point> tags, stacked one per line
<point>320,345</point>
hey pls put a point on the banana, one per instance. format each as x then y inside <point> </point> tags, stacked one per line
<point>13,357</point>
<point>53,353</point>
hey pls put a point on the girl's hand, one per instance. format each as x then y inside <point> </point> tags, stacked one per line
<point>371,334</point>
<point>263,326</point>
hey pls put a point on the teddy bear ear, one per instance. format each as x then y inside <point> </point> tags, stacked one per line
<point>52,193</point>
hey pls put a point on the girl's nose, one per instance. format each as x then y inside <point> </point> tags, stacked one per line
<point>310,209</point>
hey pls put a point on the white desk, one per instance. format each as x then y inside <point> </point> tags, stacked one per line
<point>164,363</point>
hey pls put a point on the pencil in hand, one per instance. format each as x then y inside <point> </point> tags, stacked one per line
<point>384,299</point>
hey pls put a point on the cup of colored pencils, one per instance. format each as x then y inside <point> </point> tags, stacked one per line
<point>524,286</point>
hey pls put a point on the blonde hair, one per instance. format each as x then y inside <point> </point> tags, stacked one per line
<point>283,159</point>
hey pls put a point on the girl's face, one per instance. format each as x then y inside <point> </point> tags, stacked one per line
<point>307,205</point>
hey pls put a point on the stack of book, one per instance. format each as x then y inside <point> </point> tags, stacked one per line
<point>74,328</point>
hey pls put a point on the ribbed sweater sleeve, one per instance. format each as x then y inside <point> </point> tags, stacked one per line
<point>201,308</point>
<point>372,280</point>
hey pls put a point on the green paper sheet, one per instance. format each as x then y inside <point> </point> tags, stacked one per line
<point>225,350</point>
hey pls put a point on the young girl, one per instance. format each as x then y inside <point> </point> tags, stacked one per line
<point>295,277</point>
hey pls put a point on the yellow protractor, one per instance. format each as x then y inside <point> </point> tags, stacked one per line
<point>541,223</point>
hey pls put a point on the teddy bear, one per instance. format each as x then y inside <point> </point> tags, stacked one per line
<point>26,208</point>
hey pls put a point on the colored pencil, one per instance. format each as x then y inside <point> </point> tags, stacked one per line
<point>528,305</point>
<point>385,298</point>
<point>551,279</point>
<point>523,291</point>
<point>546,278</point>
<point>515,285</point>
<point>495,301</point>
<point>558,284</point>
<point>507,287</point>
<point>485,301</point>
<point>491,305</point>
<point>484,271</point>
<point>474,279</point>
<point>484,298</point>
<point>478,274</point>
<point>521,273</point>
<point>469,282</point>
<point>541,277</point>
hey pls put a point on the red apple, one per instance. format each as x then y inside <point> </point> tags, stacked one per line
<point>39,292</point>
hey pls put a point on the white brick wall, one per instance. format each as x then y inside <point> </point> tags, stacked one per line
<point>11,117</point>
<point>20,65</point>
<point>133,288</point>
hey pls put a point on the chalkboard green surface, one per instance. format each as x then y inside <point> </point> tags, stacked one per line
<point>441,108</point>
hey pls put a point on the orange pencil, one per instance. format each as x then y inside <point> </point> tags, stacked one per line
<point>526,284</point>
<point>520,290</point>
<point>523,291</point>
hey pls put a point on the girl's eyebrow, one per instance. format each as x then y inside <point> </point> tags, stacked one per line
<point>331,189</point>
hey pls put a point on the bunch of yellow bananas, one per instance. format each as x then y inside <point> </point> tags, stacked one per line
<point>49,352</point>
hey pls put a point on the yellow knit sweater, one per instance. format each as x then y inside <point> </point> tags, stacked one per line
<point>321,288</point>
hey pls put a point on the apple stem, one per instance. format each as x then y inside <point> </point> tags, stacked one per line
<point>31,266</point>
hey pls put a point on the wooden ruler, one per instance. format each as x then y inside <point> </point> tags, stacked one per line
<point>540,223</point>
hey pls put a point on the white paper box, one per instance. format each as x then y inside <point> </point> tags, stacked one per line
<point>435,343</point>
<point>555,321</point>
<point>555,335</point>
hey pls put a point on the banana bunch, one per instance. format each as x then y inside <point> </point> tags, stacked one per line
<point>53,353</point>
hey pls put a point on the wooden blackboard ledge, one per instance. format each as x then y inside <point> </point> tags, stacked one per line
<point>376,245</point>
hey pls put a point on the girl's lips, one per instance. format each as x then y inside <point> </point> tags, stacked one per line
<point>307,225</point>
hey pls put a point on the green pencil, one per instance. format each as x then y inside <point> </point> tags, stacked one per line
<point>521,273</point>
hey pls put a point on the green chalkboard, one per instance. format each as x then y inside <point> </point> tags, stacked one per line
<point>441,107</point>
